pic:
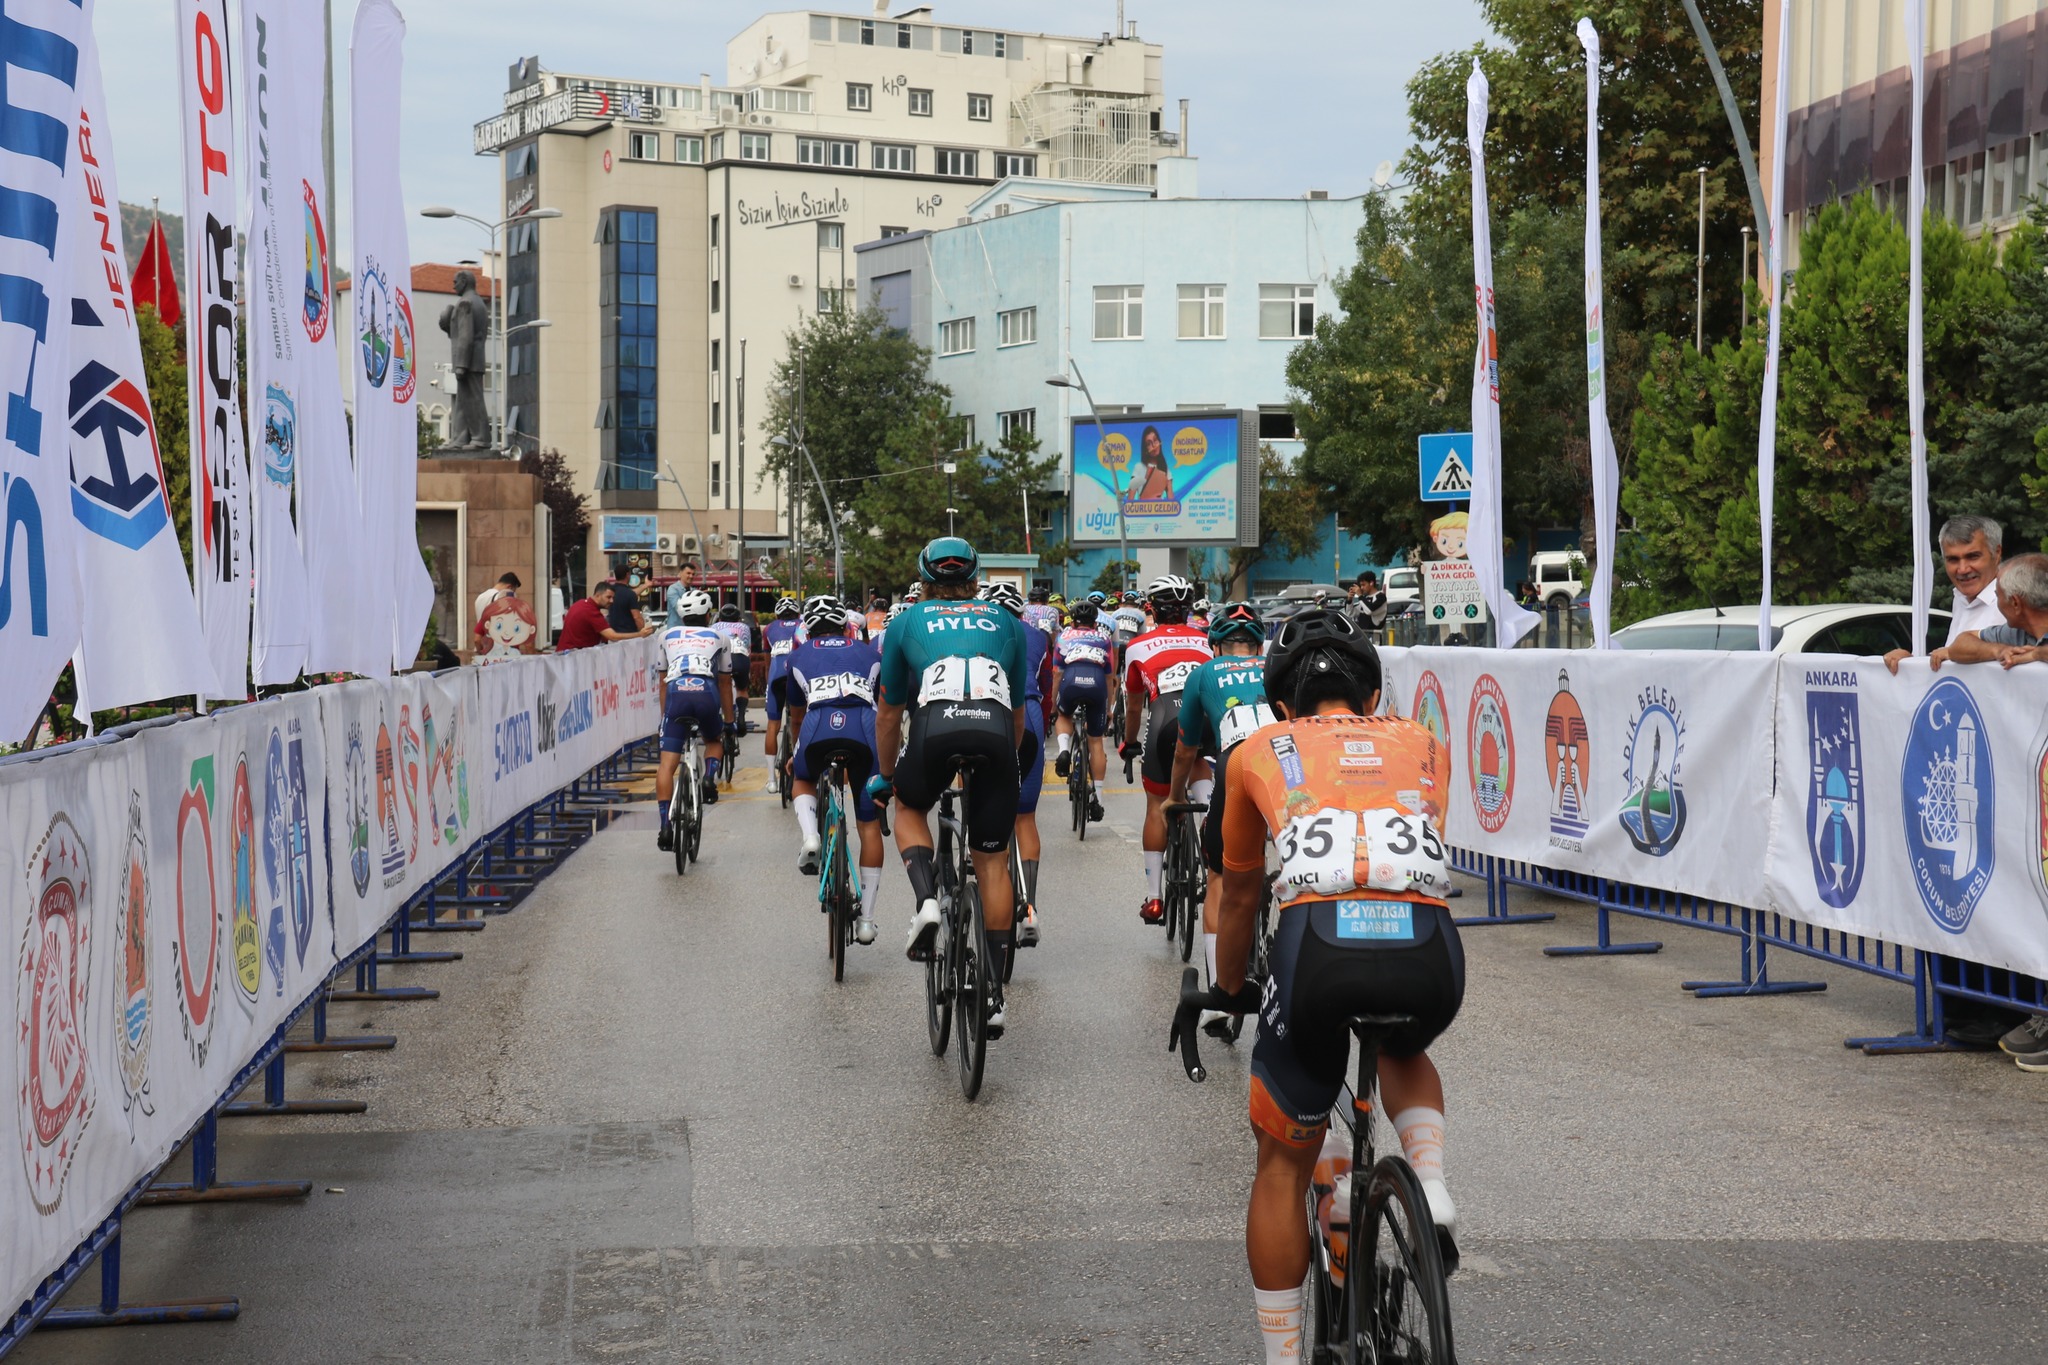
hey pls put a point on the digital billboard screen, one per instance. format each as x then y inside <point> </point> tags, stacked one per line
<point>1175,473</point>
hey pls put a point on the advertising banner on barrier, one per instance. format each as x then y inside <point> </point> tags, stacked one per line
<point>1911,808</point>
<point>545,721</point>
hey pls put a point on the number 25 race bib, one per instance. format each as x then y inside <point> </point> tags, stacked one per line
<point>1329,852</point>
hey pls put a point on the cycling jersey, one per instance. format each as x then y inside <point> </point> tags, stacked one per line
<point>1127,622</point>
<point>1043,615</point>
<point>739,638</point>
<point>834,680</point>
<point>1083,646</point>
<point>693,657</point>
<point>1159,662</point>
<point>694,652</point>
<point>1223,702</point>
<point>959,668</point>
<point>1038,692</point>
<point>1084,654</point>
<point>781,635</point>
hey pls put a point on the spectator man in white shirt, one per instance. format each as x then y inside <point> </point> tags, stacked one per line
<point>1970,550</point>
<point>2022,636</point>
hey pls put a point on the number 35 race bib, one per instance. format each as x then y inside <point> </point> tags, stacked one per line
<point>1330,852</point>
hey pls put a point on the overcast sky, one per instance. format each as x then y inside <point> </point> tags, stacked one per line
<point>1285,97</point>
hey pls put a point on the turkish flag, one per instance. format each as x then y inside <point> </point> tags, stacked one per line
<point>154,282</point>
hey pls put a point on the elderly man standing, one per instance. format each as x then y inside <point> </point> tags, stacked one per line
<point>1970,551</point>
<point>2020,638</point>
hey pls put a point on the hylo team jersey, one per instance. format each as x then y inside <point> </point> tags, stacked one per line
<point>1223,702</point>
<point>837,672</point>
<point>1354,805</point>
<point>694,652</point>
<point>954,651</point>
<point>1159,662</point>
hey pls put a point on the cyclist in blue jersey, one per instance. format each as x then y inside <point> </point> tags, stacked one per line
<point>1038,685</point>
<point>1084,655</point>
<point>953,672</point>
<point>1041,612</point>
<point>739,636</point>
<point>831,691</point>
<point>697,675</point>
<point>781,637</point>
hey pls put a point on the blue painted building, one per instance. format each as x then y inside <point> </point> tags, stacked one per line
<point>1161,304</point>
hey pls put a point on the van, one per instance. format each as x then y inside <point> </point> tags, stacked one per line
<point>1556,574</point>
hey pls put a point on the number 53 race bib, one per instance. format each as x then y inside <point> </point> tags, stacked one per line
<point>1330,852</point>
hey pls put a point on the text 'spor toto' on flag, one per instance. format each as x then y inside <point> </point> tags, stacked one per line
<point>278,377</point>
<point>394,582</point>
<point>140,636</point>
<point>221,550</point>
<point>38,565</point>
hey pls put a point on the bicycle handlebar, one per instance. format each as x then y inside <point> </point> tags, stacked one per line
<point>1193,1000</point>
<point>1185,807</point>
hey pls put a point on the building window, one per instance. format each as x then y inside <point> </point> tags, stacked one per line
<point>718,146</point>
<point>753,146</point>
<point>956,337</point>
<point>903,35</point>
<point>1023,419</point>
<point>980,108</point>
<point>778,99</point>
<point>1287,312</point>
<point>957,161</point>
<point>1001,44</point>
<point>689,150</point>
<point>716,470</point>
<point>714,355</point>
<point>1119,312</point>
<point>643,146</point>
<point>1277,424</point>
<point>842,154</point>
<point>888,232</point>
<point>627,387</point>
<point>831,236</point>
<point>521,161</point>
<point>966,432</point>
<point>895,156</point>
<point>867,33</point>
<point>810,151</point>
<point>714,417</point>
<point>1017,327</point>
<point>860,98</point>
<point>1015,163</point>
<point>921,103</point>
<point>714,296</point>
<point>967,42</point>
<point>1201,312</point>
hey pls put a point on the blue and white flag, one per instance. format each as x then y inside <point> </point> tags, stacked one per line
<point>1606,474</point>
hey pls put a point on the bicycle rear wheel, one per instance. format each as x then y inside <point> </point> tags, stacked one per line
<point>971,988</point>
<point>1407,1312</point>
<point>938,972</point>
<point>1194,879</point>
<point>678,804</point>
<point>696,809</point>
<point>839,898</point>
<point>784,744</point>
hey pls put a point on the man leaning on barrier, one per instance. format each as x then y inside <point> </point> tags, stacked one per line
<point>2022,638</point>
<point>1970,550</point>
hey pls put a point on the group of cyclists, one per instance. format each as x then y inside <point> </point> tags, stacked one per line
<point>1315,804</point>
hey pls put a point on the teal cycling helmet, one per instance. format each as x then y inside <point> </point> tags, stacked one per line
<point>948,559</point>
<point>1237,618</point>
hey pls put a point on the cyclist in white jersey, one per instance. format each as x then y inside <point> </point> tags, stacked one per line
<point>697,676</point>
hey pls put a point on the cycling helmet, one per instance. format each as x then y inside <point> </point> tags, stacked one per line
<point>895,612</point>
<point>693,605</point>
<point>1203,606</point>
<point>915,593</point>
<point>948,559</point>
<point>1098,597</point>
<point>878,603</point>
<point>823,615</point>
<point>1316,644</point>
<point>729,612</point>
<point>1084,612</point>
<point>1040,593</point>
<point>1131,599</point>
<point>787,606</point>
<point>1006,596</point>
<point>1236,618</point>
<point>1171,596</point>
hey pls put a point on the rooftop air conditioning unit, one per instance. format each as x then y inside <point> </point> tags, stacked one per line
<point>688,545</point>
<point>728,114</point>
<point>671,561</point>
<point>851,282</point>
<point>796,281</point>
<point>665,544</point>
<point>1002,210</point>
<point>759,120</point>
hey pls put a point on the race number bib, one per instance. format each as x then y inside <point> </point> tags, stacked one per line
<point>1087,654</point>
<point>1174,677</point>
<point>780,647</point>
<point>1239,722</point>
<point>1330,852</point>
<point>841,687</point>
<point>969,679</point>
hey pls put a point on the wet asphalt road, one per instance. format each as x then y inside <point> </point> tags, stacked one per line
<point>642,1124</point>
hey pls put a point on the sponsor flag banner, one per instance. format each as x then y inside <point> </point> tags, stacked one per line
<point>140,635</point>
<point>1511,622</point>
<point>1606,471</point>
<point>1767,422</point>
<point>39,232</point>
<point>396,593</point>
<point>221,546</point>
<point>275,233</point>
<point>1916,382</point>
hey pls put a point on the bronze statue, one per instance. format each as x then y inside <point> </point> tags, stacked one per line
<point>467,321</point>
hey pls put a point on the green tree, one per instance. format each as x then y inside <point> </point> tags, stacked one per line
<point>1292,510</point>
<point>2000,469</point>
<point>568,513</point>
<point>1114,575</point>
<point>169,405</point>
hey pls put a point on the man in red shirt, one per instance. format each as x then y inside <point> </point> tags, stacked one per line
<point>587,623</point>
<point>1157,665</point>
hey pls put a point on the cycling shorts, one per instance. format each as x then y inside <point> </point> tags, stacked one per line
<point>943,731</point>
<point>1162,735</point>
<point>691,702</point>
<point>1031,761</point>
<point>847,732</point>
<point>1084,695</point>
<point>778,683</point>
<point>1320,980</point>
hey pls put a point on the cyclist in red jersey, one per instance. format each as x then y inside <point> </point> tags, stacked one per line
<point>1156,667</point>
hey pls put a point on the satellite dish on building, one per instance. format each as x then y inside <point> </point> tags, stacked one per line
<point>1382,173</point>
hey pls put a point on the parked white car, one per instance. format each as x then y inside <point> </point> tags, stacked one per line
<point>1556,574</point>
<point>1861,628</point>
<point>1402,586</point>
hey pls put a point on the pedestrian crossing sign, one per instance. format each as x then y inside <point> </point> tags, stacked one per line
<point>1446,461</point>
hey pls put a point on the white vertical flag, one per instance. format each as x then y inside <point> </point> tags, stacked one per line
<point>1767,424</point>
<point>274,227</point>
<point>1511,622</point>
<point>39,603</point>
<point>386,368</point>
<point>221,558</point>
<point>1606,473</point>
<point>1916,383</point>
<point>140,636</point>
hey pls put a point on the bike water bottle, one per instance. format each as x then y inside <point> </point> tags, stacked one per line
<point>1332,1181</point>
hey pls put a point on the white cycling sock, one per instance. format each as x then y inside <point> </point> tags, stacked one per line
<point>1421,1130</point>
<point>1155,864</point>
<point>1209,952</point>
<point>1280,1320</point>
<point>1199,792</point>
<point>870,887</point>
<point>1066,743</point>
<point>806,816</point>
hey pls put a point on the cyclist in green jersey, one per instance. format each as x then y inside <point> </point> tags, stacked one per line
<point>1224,701</point>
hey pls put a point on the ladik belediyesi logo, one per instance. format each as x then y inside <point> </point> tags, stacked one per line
<point>1567,747</point>
<point>1490,754</point>
<point>1653,812</point>
<point>280,434</point>
<point>1834,785</point>
<point>1950,800</point>
<point>376,322</point>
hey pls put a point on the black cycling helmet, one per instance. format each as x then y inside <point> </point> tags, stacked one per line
<point>1236,618</point>
<point>948,559</point>
<point>823,614</point>
<point>1083,612</point>
<point>1006,596</point>
<point>878,603</point>
<point>729,612</point>
<point>1040,593</point>
<point>1320,643</point>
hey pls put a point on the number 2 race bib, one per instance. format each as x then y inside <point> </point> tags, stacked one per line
<point>1330,852</point>
<point>969,679</point>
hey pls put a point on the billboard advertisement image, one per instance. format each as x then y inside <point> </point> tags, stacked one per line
<point>1177,474</point>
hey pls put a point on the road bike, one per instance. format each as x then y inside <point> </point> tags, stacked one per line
<point>956,977</point>
<point>1185,880</point>
<point>686,802</point>
<point>1258,967</point>
<point>729,770</point>
<point>838,890</point>
<point>785,745</point>
<point>1080,781</point>
<point>1392,1305</point>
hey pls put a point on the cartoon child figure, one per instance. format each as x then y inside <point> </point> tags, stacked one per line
<point>1448,532</point>
<point>509,626</point>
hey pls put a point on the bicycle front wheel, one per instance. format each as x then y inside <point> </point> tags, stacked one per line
<point>972,986</point>
<point>783,745</point>
<point>1403,1306</point>
<point>678,804</point>
<point>839,892</point>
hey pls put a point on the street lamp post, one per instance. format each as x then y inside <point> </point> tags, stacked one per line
<point>491,230</point>
<point>1123,526</point>
<point>949,467</point>
<point>824,499</point>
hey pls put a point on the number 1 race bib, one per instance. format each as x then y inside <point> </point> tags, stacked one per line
<point>1240,721</point>
<point>1330,852</point>
<point>969,679</point>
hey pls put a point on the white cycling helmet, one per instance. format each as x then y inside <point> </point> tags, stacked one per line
<point>1006,596</point>
<point>1203,606</point>
<point>786,606</point>
<point>823,614</point>
<point>694,603</point>
<point>1170,589</point>
<point>895,612</point>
